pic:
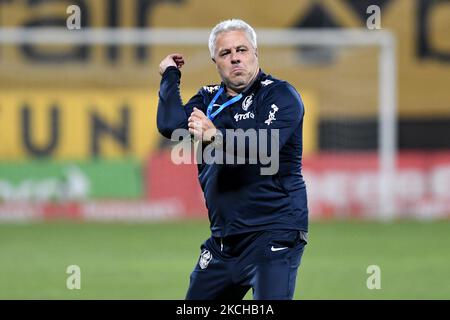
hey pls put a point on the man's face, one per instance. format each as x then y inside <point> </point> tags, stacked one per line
<point>236,59</point>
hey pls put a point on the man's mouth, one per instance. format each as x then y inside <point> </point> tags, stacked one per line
<point>237,70</point>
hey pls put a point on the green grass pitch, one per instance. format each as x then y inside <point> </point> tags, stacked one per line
<point>154,260</point>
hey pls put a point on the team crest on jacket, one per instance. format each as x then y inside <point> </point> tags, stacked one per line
<point>272,114</point>
<point>247,102</point>
<point>205,258</point>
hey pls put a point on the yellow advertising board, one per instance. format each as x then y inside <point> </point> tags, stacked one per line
<point>77,124</point>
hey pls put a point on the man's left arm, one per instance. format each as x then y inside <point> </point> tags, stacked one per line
<point>281,110</point>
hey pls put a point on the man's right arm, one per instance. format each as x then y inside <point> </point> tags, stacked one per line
<point>172,114</point>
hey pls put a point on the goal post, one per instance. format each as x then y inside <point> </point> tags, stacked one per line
<point>347,38</point>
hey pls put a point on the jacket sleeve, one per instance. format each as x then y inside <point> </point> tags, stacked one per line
<point>279,115</point>
<point>172,114</point>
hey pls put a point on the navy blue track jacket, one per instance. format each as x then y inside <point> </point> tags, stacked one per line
<point>238,197</point>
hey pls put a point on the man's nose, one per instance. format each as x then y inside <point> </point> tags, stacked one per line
<point>234,58</point>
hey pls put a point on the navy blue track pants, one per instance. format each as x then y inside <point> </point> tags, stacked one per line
<point>266,261</point>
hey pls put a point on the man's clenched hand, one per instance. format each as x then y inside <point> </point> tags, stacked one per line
<point>174,59</point>
<point>201,127</point>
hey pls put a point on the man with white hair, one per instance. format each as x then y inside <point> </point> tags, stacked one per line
<point>258,220</point>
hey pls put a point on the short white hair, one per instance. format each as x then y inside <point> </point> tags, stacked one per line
<point>230,25</point>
